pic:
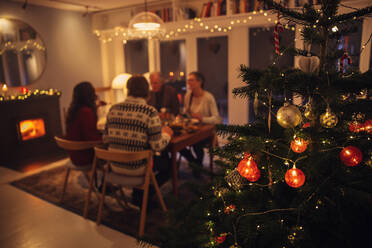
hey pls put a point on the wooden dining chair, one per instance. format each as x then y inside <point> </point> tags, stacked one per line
<point>70,145</point>
<point>122,179</point>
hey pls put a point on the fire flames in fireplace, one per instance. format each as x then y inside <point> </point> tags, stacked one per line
<point>31,129</point>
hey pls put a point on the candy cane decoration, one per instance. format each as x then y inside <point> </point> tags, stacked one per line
<point>278,27</point>
<point>345,56</point>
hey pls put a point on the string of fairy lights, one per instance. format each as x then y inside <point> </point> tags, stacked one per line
<point>24,94</point>
<point>175,29</point>
<point>220,24</point>
<point>21,46</point>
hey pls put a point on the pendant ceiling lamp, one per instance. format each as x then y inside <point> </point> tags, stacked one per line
<point>146,24</point>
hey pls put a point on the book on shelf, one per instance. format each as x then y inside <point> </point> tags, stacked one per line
<point>206,10</point>
<point>213,8</point>
<point>218,8</point>
<point>166,14</point>
<point>245,6</point>
<point>221,7</point>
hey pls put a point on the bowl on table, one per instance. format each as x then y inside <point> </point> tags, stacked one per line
<point>177,128</point>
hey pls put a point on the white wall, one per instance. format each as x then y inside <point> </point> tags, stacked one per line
<point>73,52</point>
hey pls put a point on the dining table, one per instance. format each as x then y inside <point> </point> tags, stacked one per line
<point>180,141</point>
<point>185,139</point>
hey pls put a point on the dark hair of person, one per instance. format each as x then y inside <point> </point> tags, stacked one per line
<point>138,86</point>
<point>199,77</point>
<point>83,96</point>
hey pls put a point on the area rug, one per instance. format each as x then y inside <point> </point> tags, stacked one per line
<point>47,185</point>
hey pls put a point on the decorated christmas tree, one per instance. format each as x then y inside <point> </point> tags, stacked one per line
<point>300,175</point>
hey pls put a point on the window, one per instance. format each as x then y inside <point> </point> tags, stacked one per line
<point>136,56</point>
<point>173,64</point>
<point>262,49</point>
<point>173,59</point>
<point>262,54</point>
<point>212,63</point>
<point>351,41</point>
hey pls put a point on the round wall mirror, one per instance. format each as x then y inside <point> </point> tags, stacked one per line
<point>22,53</point>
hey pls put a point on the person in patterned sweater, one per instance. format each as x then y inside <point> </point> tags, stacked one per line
<point>133,126</point>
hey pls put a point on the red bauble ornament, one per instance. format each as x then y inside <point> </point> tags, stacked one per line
<point>229,209</point>
<point>220,239</point>
<point>368,126</point>
<point>295,177</point>
<point>298,145</point>
<point>351,156</point>
<point>23,90</point>
<point>306,125</point>
<point>355,126</point>
<point>248,168</point>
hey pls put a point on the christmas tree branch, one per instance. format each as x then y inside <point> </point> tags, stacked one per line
<point>300,52</point>
<point>282,158</point>
<point>309,15</point>
<point>352,15</point>
<point>269,211</point>
<point>243,92</point>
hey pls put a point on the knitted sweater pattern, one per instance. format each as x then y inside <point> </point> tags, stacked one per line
<point>134,126</point>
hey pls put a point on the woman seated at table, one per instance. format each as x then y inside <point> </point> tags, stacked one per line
<point>81,121</point>
<point>201,105</point>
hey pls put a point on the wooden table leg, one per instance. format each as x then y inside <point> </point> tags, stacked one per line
<point>175,172</point>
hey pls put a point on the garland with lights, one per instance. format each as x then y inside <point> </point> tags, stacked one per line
<point>20,47</point>
<point>298,176</point>
<point>25,94</point>
<point>173,30</point>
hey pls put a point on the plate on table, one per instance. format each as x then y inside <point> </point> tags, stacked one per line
<point>194,121</point>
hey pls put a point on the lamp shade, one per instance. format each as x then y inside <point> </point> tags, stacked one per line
<point>119,84</point>
<point>146,21</point>
<point>146,25</point>
<point>120,81</point>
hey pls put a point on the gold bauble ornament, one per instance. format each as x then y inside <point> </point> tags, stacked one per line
<point>345,96</point>
<point>288,116</point>
<point>309,113</point>
<point>328,119</point>
<point>368,161</point>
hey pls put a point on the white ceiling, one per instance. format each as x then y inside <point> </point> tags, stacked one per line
<point>91,5</point>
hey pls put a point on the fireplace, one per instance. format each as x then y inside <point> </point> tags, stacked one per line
<point>28,128</point>
<point>31,129</point>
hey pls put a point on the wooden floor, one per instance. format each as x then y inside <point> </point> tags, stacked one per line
<point>36,163</point>
<point>29,222</point>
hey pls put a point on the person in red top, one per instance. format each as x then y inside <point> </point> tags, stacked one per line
<point>81,121</point>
